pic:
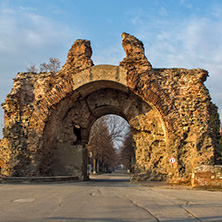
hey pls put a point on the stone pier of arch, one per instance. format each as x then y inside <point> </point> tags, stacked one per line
<point>48,116</point>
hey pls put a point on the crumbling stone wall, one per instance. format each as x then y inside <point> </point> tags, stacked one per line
<point>207,176</point>
<point>183,103</point>
<point>48,115</point>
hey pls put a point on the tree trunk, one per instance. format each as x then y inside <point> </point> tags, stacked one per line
<point>94,165</point>
<point>97,166</point>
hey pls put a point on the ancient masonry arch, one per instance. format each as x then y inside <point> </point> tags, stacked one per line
<point>48,115</point>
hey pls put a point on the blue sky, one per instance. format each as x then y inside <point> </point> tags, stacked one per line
<point>176,33</point>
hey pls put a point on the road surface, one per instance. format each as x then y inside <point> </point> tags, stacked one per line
<point>108,198</point>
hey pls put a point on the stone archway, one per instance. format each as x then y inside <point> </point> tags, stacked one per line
<point>48,115</point>
<point>66,153</point>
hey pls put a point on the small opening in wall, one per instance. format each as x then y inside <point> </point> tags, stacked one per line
<point>77,132</point>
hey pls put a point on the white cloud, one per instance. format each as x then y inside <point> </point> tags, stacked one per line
<point>28,9</point>
<point>20,30</point>
<point>27,37</point>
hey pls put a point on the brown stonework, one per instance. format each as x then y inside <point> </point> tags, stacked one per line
<point>48,116</point>
<point>79,57</point>
<point>207,176</point>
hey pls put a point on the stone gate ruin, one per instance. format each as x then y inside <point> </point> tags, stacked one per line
<point>48,116</point>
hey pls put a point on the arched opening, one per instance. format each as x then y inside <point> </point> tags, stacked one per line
<point>67,131</point>
<point>110,146</point>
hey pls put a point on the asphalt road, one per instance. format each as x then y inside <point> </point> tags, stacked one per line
<point>108,198</point>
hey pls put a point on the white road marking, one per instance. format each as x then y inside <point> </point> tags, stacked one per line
<point>25,200</point>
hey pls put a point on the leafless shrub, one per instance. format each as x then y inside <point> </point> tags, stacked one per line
<point>52,66</point>
<point>44,67</point>
<point>32,68</point>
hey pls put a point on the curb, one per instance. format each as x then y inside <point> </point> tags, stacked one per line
<point>30,180</point>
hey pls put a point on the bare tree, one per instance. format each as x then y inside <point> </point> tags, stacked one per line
<point>118,128</point>
<point>104,155</point>
<point>44,67</point>
<point>54,64</point>
<point>127,154</point>
<point>32,68</point>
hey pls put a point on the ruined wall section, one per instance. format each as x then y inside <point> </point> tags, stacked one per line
<point>191,136</point>
<point>27,108</point>
<point>183,102</point>
<point>20,106</point>
<point>151,153</point>
<point>18,109</point>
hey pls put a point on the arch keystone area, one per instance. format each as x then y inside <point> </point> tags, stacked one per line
<point>48,116</point>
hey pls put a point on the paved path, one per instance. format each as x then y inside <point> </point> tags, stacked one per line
<point>108,198</point>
